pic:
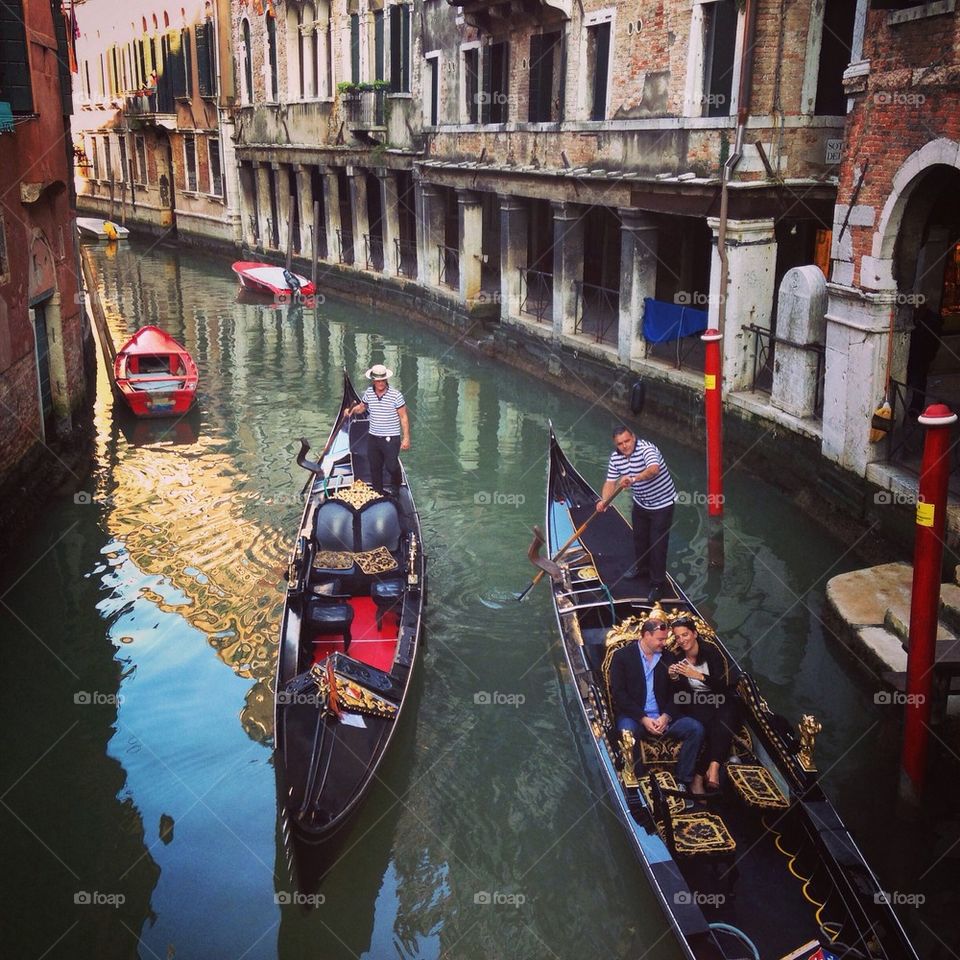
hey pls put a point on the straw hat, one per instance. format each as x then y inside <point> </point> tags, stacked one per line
<point>378,372</point>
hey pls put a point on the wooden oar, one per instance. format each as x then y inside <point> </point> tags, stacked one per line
<point>543,563</point>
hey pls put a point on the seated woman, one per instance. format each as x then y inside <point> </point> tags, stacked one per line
<point>705,691</point>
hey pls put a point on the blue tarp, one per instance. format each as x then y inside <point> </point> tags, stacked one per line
<point>670,321</point>
<point>6,117</point>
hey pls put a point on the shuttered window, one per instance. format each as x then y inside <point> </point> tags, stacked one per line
<point>216,170</point>
<point>496,83</point>
<point>354,47</point>
<point>544,77</point>
<point>206,57</point>
<point>187,59</point>
<point>190,162</point>
<point>400,48</point>
<point>178,75</point>
<point>598,63</point>
<point>471,74</point>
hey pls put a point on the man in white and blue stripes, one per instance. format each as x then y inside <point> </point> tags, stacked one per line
<point>389,426</point>
<point>639,464</point>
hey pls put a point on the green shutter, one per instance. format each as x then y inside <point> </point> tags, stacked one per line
<point>355,47</point>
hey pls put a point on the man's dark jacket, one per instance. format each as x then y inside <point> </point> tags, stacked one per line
<point>628,684</point>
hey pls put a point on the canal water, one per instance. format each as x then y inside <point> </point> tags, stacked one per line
<point>138,802</point>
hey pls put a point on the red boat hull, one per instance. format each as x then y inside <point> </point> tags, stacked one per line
<point>155,375</point>
<point>268,279</point>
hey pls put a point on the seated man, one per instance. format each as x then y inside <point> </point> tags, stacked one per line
<point>639,684</point>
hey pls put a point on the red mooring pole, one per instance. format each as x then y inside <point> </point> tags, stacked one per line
<point>925,597</point>
<point>712,400</point>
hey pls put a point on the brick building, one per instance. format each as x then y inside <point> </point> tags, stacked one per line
<point>42,333</point>
<point>895,255</point>
<point>153,116</point>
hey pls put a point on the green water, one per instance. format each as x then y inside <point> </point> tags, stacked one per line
<point>138,810</point>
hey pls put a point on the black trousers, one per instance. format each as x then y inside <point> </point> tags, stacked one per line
<point>384,454</point>
<point>720,722</point>
<point>651,537</point>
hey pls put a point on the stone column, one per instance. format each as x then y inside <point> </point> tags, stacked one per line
<point>567,264</point>
<point>470,231</point>
<point>514,224</point>
<point>305,193</point>
<point>751,266</point>
<point>638,279</point>
<point>858,324</point>
<point>801,320</point>
<point>264,214</point>
<point>281,180</point>
<point>331,209</point>
<point>359,213</point>
<point>389,219</point>
<point>430,234</point>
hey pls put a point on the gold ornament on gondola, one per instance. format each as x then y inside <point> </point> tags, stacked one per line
<point>808,727</point>
<point>628,773</point>
<point>358,494</point>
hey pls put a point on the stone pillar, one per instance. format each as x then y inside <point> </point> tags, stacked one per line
<point>246,176</point>
<point>389,219</point>
<point>801,320</point>
<point>514,224</point>
<point>638,279</point>
<point>567,264</point>
<point>331,209</point>
<point>263,205</point>
<point>858,324</point>
<point>359,213</point>
<point>751,264</point>
<point>305,193</point>
<point>230,169</point>
<point>430,234</point>
<point>281,179</point>
<point>470,231</point>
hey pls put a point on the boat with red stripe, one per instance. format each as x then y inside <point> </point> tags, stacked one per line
<point>155,375</point>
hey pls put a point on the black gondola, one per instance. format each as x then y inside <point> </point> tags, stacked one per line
<point>764,868</point>
<point>348,640</point>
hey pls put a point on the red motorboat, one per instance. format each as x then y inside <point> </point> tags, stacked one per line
<point>275,281</point>
<point>155,375</point>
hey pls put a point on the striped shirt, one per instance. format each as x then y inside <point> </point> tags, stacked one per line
<point>384,419</point>
<point>653,494</point>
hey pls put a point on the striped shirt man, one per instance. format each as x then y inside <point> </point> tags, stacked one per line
<point>654,493</point>
<point>382,409</point>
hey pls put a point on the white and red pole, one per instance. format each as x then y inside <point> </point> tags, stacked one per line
<point>925,597</point>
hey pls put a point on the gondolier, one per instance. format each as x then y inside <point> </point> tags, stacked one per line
<point>639,464</point>
<point>389,426</point>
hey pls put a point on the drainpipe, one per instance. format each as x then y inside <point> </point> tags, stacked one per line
<point>743,112</point>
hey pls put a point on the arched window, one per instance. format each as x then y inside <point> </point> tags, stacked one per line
<point>246,93</point>
<point>272,78</point>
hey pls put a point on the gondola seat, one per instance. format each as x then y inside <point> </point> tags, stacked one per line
<point>693,833</point>
<point>325,617</point>
<point>333,527</point>
<point>387,594</point>
<point>756,787</point>
<point>380,526</point>
<point>667,750</point>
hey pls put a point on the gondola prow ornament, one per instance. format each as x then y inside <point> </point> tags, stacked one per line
<point>808,727</point>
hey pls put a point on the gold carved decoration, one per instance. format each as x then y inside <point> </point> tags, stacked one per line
<point>358,494</point>
<point>588,573</point>
<point>379,560</point>
<point>808,727</point>
<point>351,696</point>
<point>628,774</point>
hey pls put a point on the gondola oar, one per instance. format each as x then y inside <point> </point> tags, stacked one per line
<point>550,566</point>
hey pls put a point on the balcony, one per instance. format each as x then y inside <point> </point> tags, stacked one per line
<point>365,111</point>
<point>491,15</point>
<point>151,109</point>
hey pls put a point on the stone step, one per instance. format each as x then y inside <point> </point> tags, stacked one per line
<point>897,620</point>
<point>950,606</point>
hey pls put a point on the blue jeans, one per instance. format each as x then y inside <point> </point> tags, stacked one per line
<point>686,729</point>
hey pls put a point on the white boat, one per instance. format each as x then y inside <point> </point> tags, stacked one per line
<point>93,228</point>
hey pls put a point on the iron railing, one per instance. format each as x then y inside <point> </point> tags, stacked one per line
<point>536,294</point>
<point>364,109</point>
<point>160,101</point>
<point>596,312</point>
<point>344,247</point>
<point>406,254</point>
<point>905,438</point>
<point>685,353</point>
<point>764,354</point>
<point>373,251</point>
<point>449,266</point>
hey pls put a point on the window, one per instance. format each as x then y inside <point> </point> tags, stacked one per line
<point>545,84</point>
<point>433,84</point>
<point>122,143</point>
<point>496,83</point>
<point>190,164</point>
<point>272,83</point>
<point>598,68</point>
<point>216,169</point>
<point>400,48</point>
<point>207,51</point>
<point>140,149</point>
<point>175,63</point>
<point>107,161</point>
<point>95,157</point>
<point>471,85</point>
<point>247,92</point>
<point>720,42</point>
<point>187,60</point>
<point>354,47</point>
<point>835,44</point>
<point>377,44</point>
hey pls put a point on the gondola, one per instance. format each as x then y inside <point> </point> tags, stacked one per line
<point>763,869</point>
<point>274,281</point>
<point>155,375</point>
<point>349,637</point>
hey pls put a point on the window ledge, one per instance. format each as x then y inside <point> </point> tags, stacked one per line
<point>399,95</point>
<point>938,9</point>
